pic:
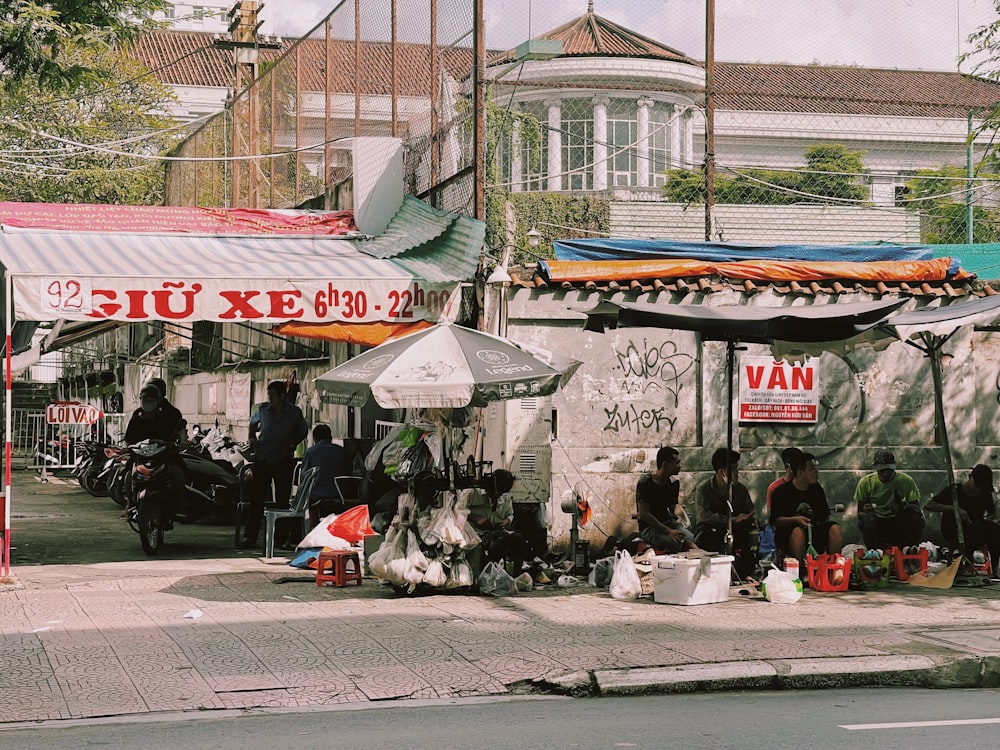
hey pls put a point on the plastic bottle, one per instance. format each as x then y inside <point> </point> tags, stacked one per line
<point>792,566</point>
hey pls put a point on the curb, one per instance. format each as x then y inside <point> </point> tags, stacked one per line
<point>782,674</point>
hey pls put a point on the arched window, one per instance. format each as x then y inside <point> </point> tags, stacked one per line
<point>534,146</point>
<point>660,158</point>
<point>623,130</point>
<point>577,144</point>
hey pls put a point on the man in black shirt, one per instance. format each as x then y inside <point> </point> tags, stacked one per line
<point>656,496</point>
<point>801,504</point>
<point>977,510</point>
<point>722,499</point>
<point>152,422</point>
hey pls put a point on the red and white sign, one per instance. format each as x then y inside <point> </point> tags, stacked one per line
<point>778,391</point>
<point>72,412</point>
<point>138,299</point>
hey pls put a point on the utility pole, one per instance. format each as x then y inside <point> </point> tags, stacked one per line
<point>709,116</point>
<point>242,39</point>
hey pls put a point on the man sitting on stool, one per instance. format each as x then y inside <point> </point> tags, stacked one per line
<point>721,502</point>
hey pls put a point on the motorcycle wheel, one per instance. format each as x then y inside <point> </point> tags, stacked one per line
<point>149,519</point>
<point>115,486</point>
<point>92,483</point>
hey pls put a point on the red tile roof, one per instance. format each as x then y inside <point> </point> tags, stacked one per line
<point>188,59</point>
<point>591,35</point>
<point>532,278</point>
<point>848,90</point>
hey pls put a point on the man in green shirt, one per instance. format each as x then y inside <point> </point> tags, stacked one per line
<point>888,505</point>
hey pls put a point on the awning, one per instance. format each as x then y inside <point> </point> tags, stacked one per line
<point>174,277</point>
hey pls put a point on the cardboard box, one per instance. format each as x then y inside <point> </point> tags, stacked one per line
<point>684,579</point>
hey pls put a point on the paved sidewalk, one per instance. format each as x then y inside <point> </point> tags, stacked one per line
<point>99,639</point>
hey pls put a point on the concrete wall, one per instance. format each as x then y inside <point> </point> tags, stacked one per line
<point>639,389</point>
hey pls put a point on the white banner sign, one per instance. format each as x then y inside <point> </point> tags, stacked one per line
<point>238,396</point>
<point>777,391</point>
<point>260,301</point>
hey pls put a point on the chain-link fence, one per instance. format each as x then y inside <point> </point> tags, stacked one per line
<point>596,121</point>
<point>284,141</point>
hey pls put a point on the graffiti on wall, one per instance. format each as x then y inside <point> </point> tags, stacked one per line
<point>651,372</point>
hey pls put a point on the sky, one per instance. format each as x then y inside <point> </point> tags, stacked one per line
<point>925,34</point>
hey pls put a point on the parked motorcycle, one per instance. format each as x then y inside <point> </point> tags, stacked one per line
<point>55,453</point>
<point>90,468</point>
<point>149,500</point>
<point>212,464</point>
<point>114,474</point>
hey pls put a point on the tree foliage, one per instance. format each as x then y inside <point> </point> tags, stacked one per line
<point>831,173</point>
<point>86,142</point>
<point>940,197</point>
<point>35,35</point>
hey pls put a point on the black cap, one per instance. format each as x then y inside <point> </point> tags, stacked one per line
<point>884,460</point>
<point>982,476</point>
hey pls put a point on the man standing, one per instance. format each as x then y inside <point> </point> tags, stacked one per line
<point>656,496</point>
<point>275,430</point>
<point>888,505</point>
<point>720,498</point>
<point>799,510</point>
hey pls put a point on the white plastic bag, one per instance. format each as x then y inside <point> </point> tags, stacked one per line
<point>781,587</point>
<point>495,581</point>
<point>625,583</point>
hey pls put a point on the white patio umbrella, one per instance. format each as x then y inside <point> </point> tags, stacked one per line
<point>445,366</point>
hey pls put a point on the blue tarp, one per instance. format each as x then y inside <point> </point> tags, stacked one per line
<point>733,252</point>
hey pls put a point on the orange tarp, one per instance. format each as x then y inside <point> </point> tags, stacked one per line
<point>367,334</point>
<point>754,270</point>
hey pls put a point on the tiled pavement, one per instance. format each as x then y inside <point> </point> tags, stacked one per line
<point>117,641</point>
<point>113,638</point>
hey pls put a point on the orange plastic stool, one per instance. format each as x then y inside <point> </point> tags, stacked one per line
<point>338,566</point>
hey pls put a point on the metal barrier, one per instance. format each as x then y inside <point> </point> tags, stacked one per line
<point>53,447</point>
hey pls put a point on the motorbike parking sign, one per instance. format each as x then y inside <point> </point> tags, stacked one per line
<point>72,412</point>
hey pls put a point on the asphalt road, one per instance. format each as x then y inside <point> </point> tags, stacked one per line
<point>818,720</point>
<point>58,523</point>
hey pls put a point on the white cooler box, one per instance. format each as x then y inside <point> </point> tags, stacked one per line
<point>702,579</point>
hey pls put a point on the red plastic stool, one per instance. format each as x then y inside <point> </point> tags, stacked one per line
<point>908,564</point>
<point>338,566</point>
<point>642,547</point>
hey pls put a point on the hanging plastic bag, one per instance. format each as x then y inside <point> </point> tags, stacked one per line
<point>495,581</point>
<point>459,574</point>
<point>435,575</point>
<point>781,587</point>
<point>625,583</point>
<point>353,524</point>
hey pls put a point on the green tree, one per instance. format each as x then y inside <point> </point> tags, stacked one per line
<point>86,142</point>
<point>35,35</point>
<point>831,172</point>
<point>939,196</point>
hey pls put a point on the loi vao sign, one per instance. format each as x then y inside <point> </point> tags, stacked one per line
<point>777,391</point>
<point>72,412</point>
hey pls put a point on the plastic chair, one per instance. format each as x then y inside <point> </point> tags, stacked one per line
<point>299,509</point>
<point>348,488</point>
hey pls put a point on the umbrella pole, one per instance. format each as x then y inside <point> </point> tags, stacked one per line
<point>934,352</point>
